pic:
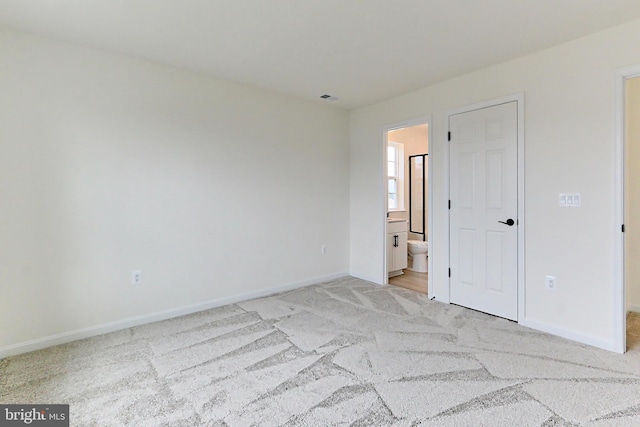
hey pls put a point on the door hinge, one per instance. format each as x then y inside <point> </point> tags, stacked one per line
<point>449,136</point>
<point>623,228</point>
<point>449,204</point>
<point>449,272</point>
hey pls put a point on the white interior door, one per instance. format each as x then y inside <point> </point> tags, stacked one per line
<point>484,201</point>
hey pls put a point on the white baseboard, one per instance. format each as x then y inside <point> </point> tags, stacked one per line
<point>571,335</point>
<point>78,334</point>
<point>374,280</point>
<point>634,308</point>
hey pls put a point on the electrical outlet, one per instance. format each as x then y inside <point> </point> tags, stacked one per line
<point>323,249</point>
<point>551,282</point>
<point>136,277</point>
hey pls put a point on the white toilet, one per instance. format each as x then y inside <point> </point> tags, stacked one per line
<point>419,251</point>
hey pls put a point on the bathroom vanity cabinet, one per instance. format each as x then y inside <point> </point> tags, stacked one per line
<point>396,247</point>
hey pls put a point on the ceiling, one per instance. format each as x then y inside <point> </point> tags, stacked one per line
<point>361,51</point>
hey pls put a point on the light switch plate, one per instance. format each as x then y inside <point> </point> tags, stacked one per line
<point>569,200</point>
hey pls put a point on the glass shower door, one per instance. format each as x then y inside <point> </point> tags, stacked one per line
<point>417,193</point>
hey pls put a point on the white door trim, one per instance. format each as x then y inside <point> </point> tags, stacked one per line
<point>399,125</point>
<point>519,98</point>
<point>619,296</point>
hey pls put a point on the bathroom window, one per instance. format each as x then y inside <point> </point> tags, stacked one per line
<point>395,174</point>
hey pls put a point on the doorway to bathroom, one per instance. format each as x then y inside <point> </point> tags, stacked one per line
<point>408,204</point>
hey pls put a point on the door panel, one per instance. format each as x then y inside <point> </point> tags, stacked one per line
<point>495,183</point>
<point>466,245</point>
<point>467,181</point>
<point>484,191</point>
<point>494,250</point>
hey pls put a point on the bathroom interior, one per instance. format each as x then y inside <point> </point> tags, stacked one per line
<point>407,209</point>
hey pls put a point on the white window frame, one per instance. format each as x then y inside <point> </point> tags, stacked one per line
<point>398,177</point>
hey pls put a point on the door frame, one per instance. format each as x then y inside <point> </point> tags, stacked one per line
<point>385,129</point>
<point>519,99</point>
<point>619,296</point>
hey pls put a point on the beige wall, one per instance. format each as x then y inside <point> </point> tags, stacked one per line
<point>416,141</point>
<point>110,164</point>
<point>632,214</point>
<point>569,147</point>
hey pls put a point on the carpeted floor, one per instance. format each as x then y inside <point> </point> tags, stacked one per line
<point>341,353</point>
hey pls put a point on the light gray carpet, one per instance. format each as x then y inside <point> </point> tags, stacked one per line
<point>340,353</point>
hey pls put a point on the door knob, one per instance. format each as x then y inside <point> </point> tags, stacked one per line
<point>509,222</point>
